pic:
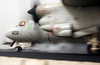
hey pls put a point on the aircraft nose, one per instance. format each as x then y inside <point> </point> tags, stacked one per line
<point>8,33</point>
<point>12,33</point>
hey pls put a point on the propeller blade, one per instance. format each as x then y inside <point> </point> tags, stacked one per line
<point>33,11</point>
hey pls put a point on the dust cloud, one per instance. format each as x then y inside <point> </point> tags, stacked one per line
<point>62,47</point>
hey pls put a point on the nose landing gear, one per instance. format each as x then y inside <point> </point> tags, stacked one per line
<point>17,49</point>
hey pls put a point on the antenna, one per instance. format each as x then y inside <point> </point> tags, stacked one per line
<point>27,20</point>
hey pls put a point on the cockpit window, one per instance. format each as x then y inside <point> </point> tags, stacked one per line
<point>22,23</point>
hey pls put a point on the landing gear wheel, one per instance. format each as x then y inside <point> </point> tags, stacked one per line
<point>92,52</point>
<point>17,49</point>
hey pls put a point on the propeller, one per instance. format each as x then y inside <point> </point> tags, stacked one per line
<point>32,11</point>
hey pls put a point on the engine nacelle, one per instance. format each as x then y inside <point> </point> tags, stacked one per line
<point>85,32</point>
<point>46,9</point>
<point>64,30</point>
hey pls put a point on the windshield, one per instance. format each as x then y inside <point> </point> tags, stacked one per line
<point>22,23</point>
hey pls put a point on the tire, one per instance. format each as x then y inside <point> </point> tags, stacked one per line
<point>92,52</point>
<point>17,49</point>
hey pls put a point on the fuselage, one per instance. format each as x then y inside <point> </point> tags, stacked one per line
<point>31,32</point>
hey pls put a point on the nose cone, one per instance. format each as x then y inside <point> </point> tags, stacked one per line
<point>8,33</point>
<point>13,34</point>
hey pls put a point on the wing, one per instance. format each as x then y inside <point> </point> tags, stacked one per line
<point>81,2</point>
<point>61,20</point>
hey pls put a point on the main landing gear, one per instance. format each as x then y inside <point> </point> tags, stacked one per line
<point>93,45</point>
